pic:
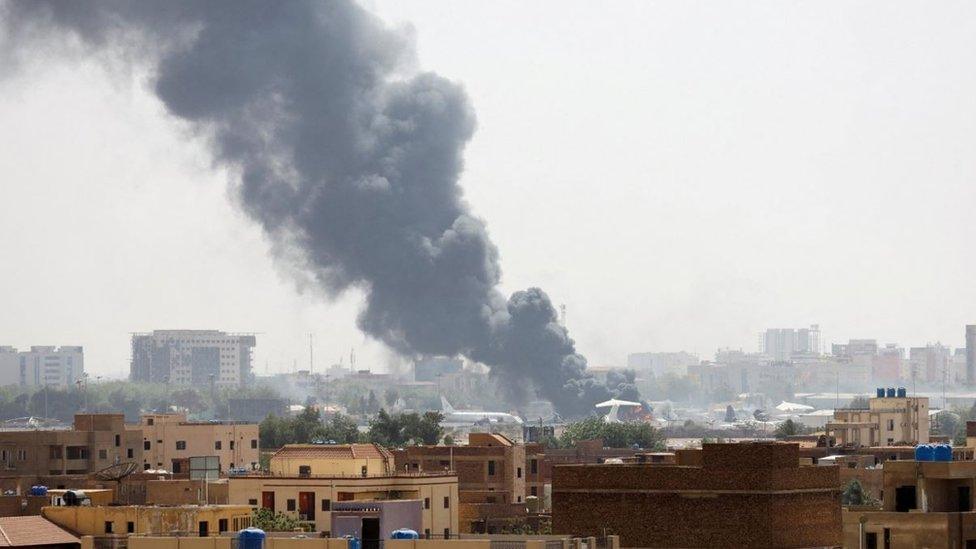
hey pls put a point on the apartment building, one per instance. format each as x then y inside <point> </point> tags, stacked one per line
<point>95,442</point>
<point>169,441</point>
<point>192,357</point>
<point>42,366</point>
<point>894,419</point>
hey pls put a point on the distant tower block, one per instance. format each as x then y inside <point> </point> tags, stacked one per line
<point>971,354</point>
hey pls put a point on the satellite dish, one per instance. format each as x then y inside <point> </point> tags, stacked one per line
<point>117,472</point>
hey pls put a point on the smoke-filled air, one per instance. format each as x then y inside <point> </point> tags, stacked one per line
<point>349,159</point>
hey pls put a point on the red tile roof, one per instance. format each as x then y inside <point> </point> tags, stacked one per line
<point>333,451</point>
<point>32,531</point>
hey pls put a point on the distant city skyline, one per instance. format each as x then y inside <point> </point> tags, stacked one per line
<point>793,165</point>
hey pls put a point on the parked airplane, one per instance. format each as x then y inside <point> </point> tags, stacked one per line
<point>471,417</point>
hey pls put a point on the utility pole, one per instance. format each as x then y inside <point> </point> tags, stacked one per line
<point>311,355</point>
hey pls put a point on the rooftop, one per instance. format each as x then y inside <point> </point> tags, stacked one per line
<point>32,531</point>
<point>333,451</point>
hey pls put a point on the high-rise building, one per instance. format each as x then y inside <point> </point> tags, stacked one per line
<point>784,343</point>
<point>42,366</point>
<point>192,357</point>
<point>971,354</point>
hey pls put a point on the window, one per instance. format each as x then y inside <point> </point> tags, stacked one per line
<point>181,445</point>
<point>204,529</point>
<point>129,453</point>
<point>254,443</point>
<point>108,527</point>
<point>146,445</point>
<point>363,471</point>
<point>130,527</point>
<point>222,525</point>
<point>519,472</point>
<point>534,466</point>
<point>232,445</point>
<point>252,502</point>
<point>427,533</point>
<point>22,455</point>
<point>426,503</point>
<point>291,505</point>
<point>447,533</point>
<point>149,421</point>
<point>304,470</point>
<point>103,454</point>
<point>447,501</point>
<point>519,499</point>
<point>491,468</point>
<point>533,491</point>
<point>326,504</point>
<point>891,425</point>
<point>118,440</point>
<point>145,466</point>
<point>217,445</point>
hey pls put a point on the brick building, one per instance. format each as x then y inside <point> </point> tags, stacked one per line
<point>741,495</point>
<point>94,442</point>
<point>541,460</point>
<point>490,472</point>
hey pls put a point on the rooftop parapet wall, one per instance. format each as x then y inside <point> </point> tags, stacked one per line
<point>639,477</point>
<point>760,455</point>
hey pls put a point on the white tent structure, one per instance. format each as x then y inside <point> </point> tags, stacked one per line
<point>614,405</point>
<point>793,407</point>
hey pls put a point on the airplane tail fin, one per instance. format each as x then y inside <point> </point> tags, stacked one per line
<point>446,406</point>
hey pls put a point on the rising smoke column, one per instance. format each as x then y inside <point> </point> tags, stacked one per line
<point>348,161</point>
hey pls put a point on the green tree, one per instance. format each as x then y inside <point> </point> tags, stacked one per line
<point>448,440</point>
<point>271,521</point>
<point>390,396</point>
<point>614,435</point>
<point>855,494</point>
<point>342,430</point>
<point>386,430</point>
<point>789,428</point>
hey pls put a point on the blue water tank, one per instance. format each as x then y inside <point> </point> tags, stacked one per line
<point>354,542</point>
<point>924,452</point>
<point>943,452</point>
<point>251,538</point>
<point>891,392</point>
<point>404,533</point>
<point>902,393</point>
<point>38,490</point>
<point>881,392</point>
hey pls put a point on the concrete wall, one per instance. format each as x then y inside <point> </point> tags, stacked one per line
<point>200,439</point>
<point>147,520</point>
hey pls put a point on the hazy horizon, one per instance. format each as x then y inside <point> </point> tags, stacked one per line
<point>681,175</point>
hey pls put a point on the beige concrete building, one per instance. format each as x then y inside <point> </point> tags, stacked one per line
<point>888,421</point>
<point>330,459</point>
<point>209,520</point>
<point>926,504</point>
<point>169,440</point>
<point>310,498</point>
<point>95,442</point>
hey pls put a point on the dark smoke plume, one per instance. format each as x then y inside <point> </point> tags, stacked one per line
<point>347,164</point>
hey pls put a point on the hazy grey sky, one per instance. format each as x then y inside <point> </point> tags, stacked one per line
<point>680,174</point>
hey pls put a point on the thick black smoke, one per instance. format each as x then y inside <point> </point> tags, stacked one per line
<point>348,165</point>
